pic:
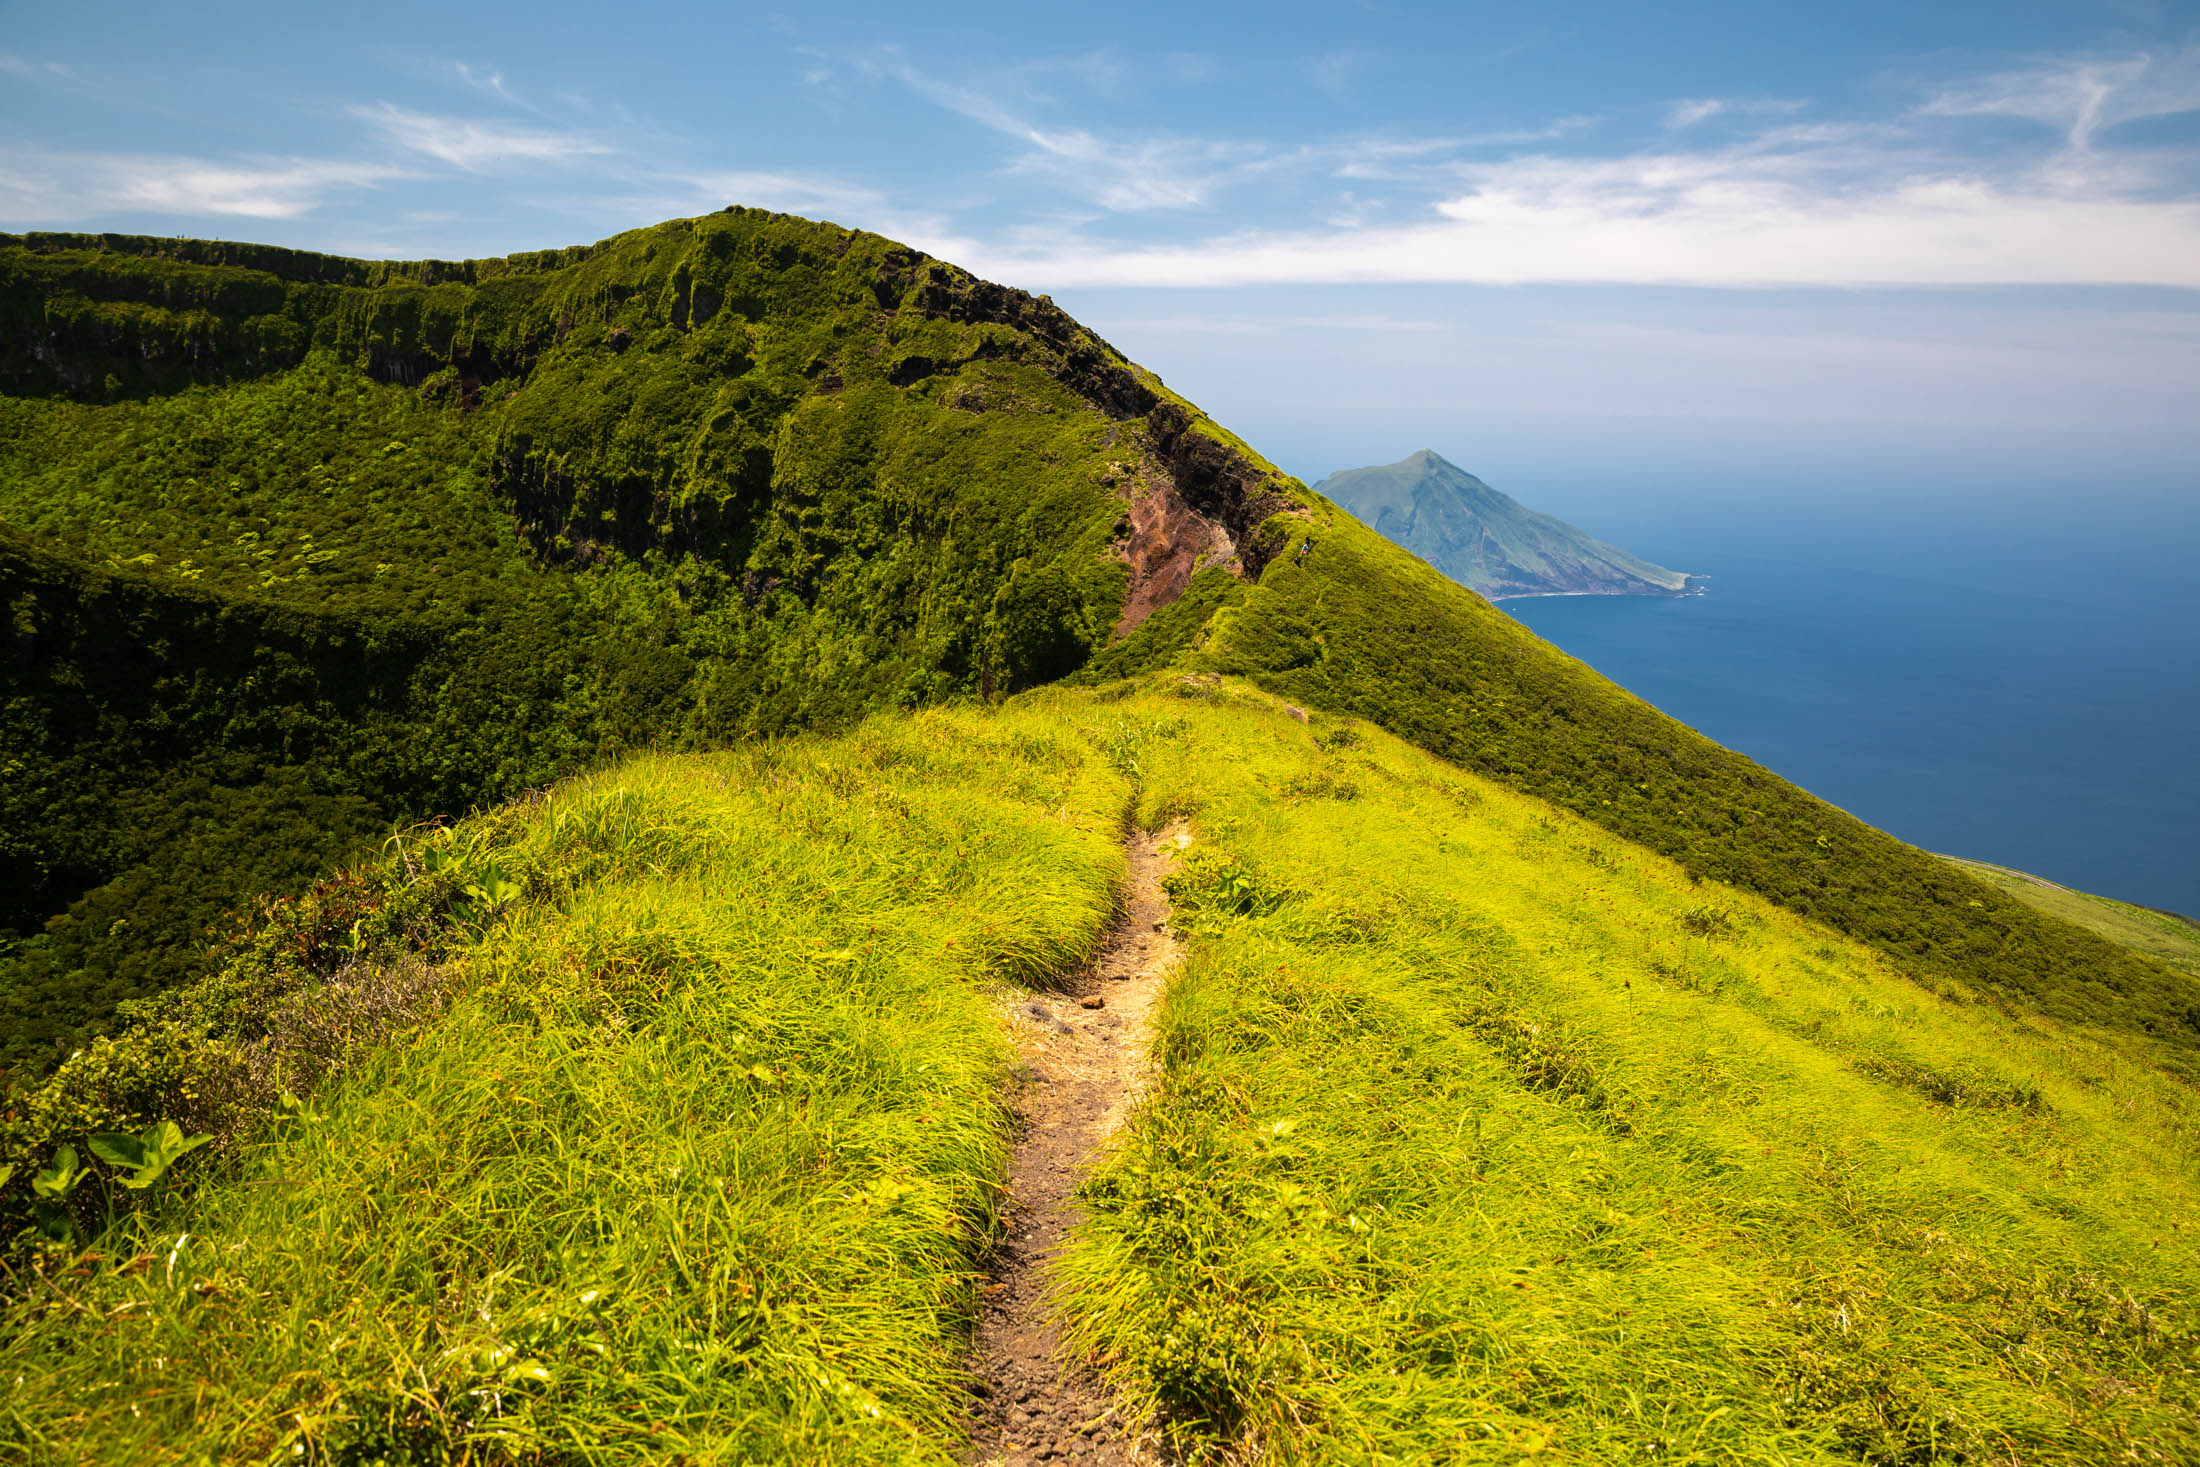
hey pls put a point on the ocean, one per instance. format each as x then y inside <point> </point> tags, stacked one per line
<point>2024,719</point>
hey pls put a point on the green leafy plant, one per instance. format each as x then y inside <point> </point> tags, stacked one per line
<point>485,887</point>
<point>148,1155</point>
<point>52,1188</point>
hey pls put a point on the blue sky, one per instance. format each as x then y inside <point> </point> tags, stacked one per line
<point>1587,250</point>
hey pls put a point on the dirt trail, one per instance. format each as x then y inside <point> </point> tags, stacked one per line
<point>1084,1057</point>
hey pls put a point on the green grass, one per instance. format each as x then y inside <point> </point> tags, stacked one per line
<point>1478,1134</point>
<point>1360,628</point>
<point>295,547</point>
<point>1481,1134</point>
<point>2164,936</point>
<point>694,1166</point>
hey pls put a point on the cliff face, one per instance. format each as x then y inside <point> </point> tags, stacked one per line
<point>1490,541</point>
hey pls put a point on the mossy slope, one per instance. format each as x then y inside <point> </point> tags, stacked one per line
<point>729,475</point>
<point>735,474</point>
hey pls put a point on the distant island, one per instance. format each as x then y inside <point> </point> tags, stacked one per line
<point>1490,541</point>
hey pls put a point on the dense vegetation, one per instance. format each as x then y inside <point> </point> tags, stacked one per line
<point>1482,1133</point>
<point>660,1117</point>
<point>692,1160</point>
<point>402,542</point>
<point>299,547</point>
<point>2167,937</point>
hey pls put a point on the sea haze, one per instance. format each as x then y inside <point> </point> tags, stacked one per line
<point>2048,723</point>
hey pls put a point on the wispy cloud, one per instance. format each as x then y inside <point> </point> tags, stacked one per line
<point>476,145</point>
<point>1767,213</point>
<point>2082,96</point>
<point>1131,176</point>
<point>57,188</point>
<point>1896,201</point>
<point>1264,325</point>
<point>482,79</point>
<point>1686,114</point>
<point>1160,173</point>
<point>1338,72</point>
<point>15,65</point>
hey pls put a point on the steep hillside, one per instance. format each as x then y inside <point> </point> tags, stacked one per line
<point>1488,540</point>
<point>307,546</point>
<point>725,476</point>
<point>663,1117</point>
<point>2167,937</point>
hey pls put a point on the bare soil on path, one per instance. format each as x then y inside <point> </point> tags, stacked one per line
<point>1084,1060</point>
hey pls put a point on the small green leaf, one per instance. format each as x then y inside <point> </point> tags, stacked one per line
<point>59,1179</point>
<point>117,1149</point>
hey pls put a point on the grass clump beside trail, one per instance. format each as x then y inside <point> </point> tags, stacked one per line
<point>1480,1133</point>
<point>691,1162</point>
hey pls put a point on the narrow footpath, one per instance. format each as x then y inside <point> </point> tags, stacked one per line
<point>1084,1055</point>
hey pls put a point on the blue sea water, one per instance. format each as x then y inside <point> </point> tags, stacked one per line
<point>2050,727</point>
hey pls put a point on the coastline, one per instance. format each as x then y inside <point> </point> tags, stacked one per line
<point>1552,595</point>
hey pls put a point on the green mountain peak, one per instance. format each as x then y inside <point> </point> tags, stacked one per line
<point>1488,540</point>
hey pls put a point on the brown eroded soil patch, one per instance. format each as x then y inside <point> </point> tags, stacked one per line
<point>1084,1055</point>
<point>1168,542</point>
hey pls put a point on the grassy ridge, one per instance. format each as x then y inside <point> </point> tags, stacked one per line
<point>734,474</point>
<point>1356,627</point>
<point>693,1164</point>
<point>1478,1133</point>
<point>1482,1133</point>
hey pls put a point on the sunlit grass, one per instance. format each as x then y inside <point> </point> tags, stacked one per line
<point>1482,1133</point>
<point>695,1167</point>
<point>1477,1134</point>
<point>2172,939</point>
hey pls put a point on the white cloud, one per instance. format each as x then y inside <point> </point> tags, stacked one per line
<point>1189,66</point>
<point>65,188</point>
<point>15,65</point>
<point>476,146</point>
<point>1336,72</point>
<point>484,80</point>
<point>1686,114</point>
<point>1181,173</point>
<point>1272,325</point>
<point>1716,220</point>
<point>791,193</point>
<point>1160,173</point>
<point>1820,204</point>
<point>2082,96</point>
